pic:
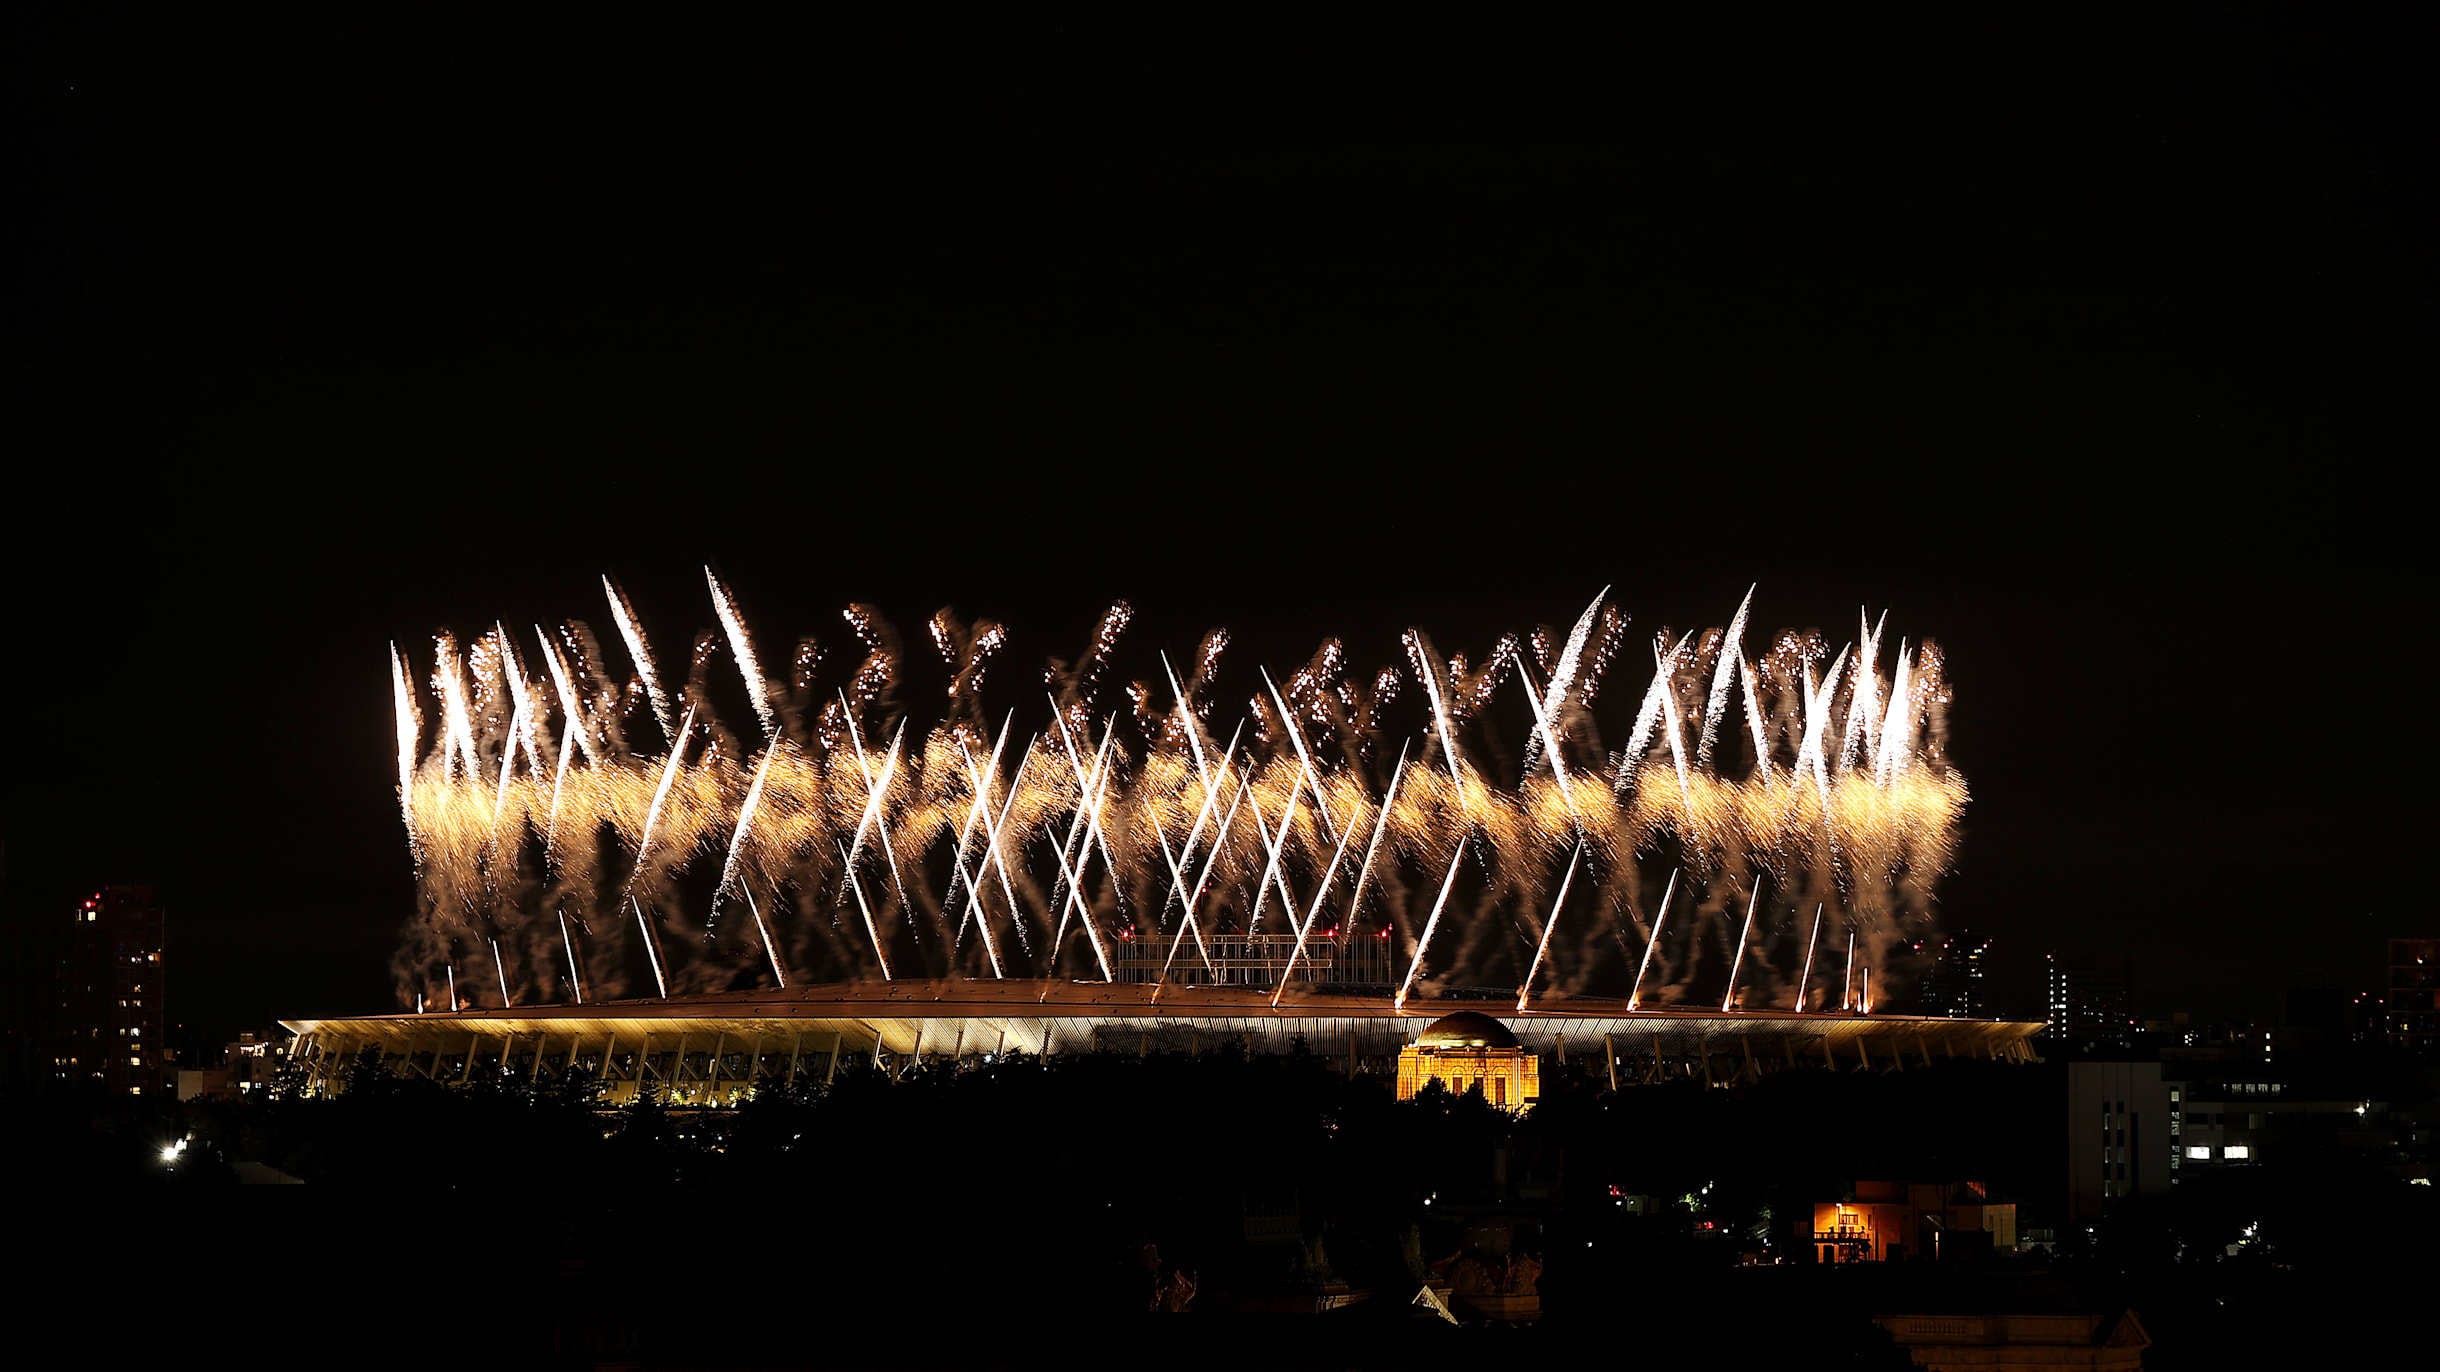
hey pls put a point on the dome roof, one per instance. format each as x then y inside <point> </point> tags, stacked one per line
<point>1466,1029</point>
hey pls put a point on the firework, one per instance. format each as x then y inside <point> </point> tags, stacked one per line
<point>527,804</point>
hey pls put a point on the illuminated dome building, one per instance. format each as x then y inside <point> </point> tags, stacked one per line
<point>1466,1051</point>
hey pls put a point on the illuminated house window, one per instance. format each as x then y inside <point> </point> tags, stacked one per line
<point>2238,1152</point>
<point>2201,1154</point>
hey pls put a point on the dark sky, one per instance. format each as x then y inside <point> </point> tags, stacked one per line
<point>2097,349</point>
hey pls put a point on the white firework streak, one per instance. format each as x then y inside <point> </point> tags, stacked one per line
<point>1355,903</point>
<point>871,930</point>
<point>1270,871</point>
<point>873,793</point>
<point>1744,936</point>
<point>636,650</point>
<point>974,810</point>
<point>1550,741</point>
<point>449,675</point>
<point>559,784</point>
<point>1753,721</point>
<point>1863,710</point>
<point>1186,714</point>
<point>1320,893</point>
<point>1089,791</point>
<point>652,816</point>
<point>410,733</point>
<point>1088,805</point>
<point>1188,922</point>
<point>1635,992</point>
<point>757,690</point>
<point>1804,983</point>
<point>1210,862</point>
<point>569,705</point>
<point>1398,1003</point>
<point>524,702</point>
<point>1895,729</point>
<point>651,953</point>
<point>568,945</point>
<point>1563,677</point>
<point>1203,814</point>
<point>1549,923</point>
<point>1677,741</point>
<point>1648,716</point>
<point>1303,761</point>
<point>508,756</point>
<point>991,952</point>
<point>765,930</point>
<point>1074,876</point>
<point>1817,719</point>
<point>1732,648</point>
<point>992,830</point>
<point>1846,983</point>
<point>502,969</point>
<point>1091,933</point>
<point>737,841</point>
<point>1430,672</point>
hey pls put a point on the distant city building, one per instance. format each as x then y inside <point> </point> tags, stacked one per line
<point>1469,1052</point>
<point>1887,1221</point>
<point>110,1029</point>
<point>247,1066</point>
<point>2087,1002</point>
<point>1954,986</point>
<point>2139,1128</point>
<point>2411,1004</point>
<point>2122,1133</point>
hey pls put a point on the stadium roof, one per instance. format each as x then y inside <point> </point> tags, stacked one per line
<point>958,1016</point>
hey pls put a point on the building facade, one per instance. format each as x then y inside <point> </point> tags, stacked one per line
<point>1954,986</point>
<point>109,1025</point>
<point>2410,1004</point>
<point>1471,1052</point>
<point>2087,1003</point>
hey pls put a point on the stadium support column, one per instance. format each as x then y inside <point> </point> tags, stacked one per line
<point>1923,1045</point>
<point>1828,1059</point>
<point>831,1068</point>
<point>466,1073</point>
<point>1702,1047</point>
<point>1863,1052</point>
<point>541,1044</point>
<point>1609,1044</point>
<point>1746,1042</point>
<point>794,1055</point>
<point>1656,1055</point>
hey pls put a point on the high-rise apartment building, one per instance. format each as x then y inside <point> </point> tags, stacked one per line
<point>1954,987</point>
<point>2410,1006</point>
<point>109,1029</point>
<point>2087,1002</point>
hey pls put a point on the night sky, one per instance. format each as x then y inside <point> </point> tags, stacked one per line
<point>2101,354</point>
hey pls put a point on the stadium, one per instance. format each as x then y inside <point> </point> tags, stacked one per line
<point>712,1049</point>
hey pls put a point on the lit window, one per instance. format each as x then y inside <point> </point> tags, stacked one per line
<point>2238,1152</point>
<point>2201,1154</point>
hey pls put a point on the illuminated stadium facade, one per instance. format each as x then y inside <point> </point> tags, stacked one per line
<point>712,1049</point>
